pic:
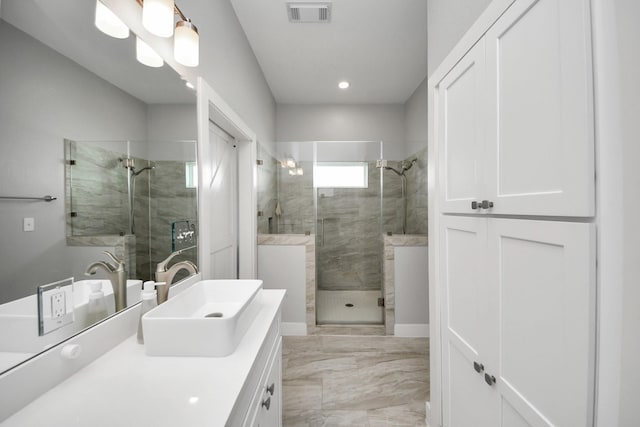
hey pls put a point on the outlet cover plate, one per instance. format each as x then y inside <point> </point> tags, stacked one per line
<point>55,305</point>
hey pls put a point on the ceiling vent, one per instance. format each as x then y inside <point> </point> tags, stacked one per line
<point>309,12</point>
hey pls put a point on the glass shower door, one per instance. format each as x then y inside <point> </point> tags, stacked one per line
<point>348,207</point>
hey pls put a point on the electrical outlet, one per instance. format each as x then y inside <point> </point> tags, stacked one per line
<point>58,305</point>
<point>55,305</point>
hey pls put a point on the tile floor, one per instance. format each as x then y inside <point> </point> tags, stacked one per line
<point>367,381</point>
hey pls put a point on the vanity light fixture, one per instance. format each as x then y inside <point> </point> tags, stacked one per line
<point>146,55</point>
<point>186,43</point>
<point>344,85</point>
<point>109,23</point>
<point>158,17</point>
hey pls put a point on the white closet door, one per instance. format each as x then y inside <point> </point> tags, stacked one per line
<point>540,110</point>
<point>221,189</point>
<point>543,287</point>
<point>466,323</point>
<point>460,132</point>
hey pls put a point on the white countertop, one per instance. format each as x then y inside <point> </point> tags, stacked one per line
<point>126,387</point>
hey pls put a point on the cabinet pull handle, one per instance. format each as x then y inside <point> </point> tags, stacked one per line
<point>486,204</point>
<point>489,379</point>
<point>476,205</point>
<point>271,389</point>
<point>267,403</point>
<point>479,367</point>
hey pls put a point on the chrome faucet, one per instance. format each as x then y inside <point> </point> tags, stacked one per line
<point>117,276</point>
<point>164,275</point>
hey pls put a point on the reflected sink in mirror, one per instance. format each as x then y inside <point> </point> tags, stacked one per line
<point>19,337</point>
<point>208,319</point>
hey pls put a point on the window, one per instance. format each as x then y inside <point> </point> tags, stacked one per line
<point>191,174</point>
<point>340,175</point>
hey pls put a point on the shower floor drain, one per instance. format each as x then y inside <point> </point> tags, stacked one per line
<point>348,304</point>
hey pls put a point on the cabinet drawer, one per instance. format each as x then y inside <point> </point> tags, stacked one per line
<point>265,407</point>
<point>243,404</point>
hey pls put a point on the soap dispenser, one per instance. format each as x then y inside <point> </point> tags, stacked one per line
<point>149,301</point>
<point>97,306</point>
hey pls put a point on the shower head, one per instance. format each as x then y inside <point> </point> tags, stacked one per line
<point>407,164</point>
<point>136,173</point>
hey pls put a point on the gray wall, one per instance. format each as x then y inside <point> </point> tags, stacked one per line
<point>229,66</point>
<point>383,122</point>
<point>52,98</point>
<point>628,34</point>
<point>447,21</point>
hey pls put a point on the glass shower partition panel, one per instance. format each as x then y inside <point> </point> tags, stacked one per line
<point>348,208</point>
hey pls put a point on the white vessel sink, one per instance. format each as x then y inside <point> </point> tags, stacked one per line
<point>208,319</point>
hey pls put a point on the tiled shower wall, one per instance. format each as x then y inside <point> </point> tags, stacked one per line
<point>171,201</point>
<point>99,196</point>
<point>349,256</point>
<point>99,191</point>
<point>417,194</point>
<point>267,190</point>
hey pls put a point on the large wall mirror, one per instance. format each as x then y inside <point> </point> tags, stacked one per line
<point>111,139</point>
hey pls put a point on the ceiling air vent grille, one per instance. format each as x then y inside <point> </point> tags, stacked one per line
<point>309,12</point>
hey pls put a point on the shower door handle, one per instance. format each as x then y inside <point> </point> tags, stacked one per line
<point>322,233</point>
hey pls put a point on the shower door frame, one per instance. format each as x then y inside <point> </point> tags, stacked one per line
<point>380,217</point>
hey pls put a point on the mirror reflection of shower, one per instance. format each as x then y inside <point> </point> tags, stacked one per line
<point>403,167</point>
<point>130,164</point>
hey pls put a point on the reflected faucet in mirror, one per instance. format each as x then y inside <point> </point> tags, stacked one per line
<point>117,275</point>
<point>164,275</point>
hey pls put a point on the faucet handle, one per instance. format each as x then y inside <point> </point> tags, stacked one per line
<point>162,265</point>
<point>120,264</point>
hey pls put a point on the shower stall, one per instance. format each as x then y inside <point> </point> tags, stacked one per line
<point>348,198</point>
<point>142,191</point>
<point>347,191</point>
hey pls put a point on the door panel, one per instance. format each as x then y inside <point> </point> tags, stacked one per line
<point>544,289</point>
<point>540,116</point>
<point>465,322</point>
<point>461,132</point>
<point>222,199</point>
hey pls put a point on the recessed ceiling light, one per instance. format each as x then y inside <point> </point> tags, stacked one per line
<point>343,85</point>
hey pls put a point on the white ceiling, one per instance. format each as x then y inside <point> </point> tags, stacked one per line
<point>67,27</point>
<point>379,46</point>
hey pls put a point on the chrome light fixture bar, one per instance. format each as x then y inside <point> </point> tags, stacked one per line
<point>158,18</point>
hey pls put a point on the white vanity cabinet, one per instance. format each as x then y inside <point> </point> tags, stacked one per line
<point>260,401</point>
<point>518,309</point>
<point>515,116</point>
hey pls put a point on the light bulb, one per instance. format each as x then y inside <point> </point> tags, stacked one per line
<point>157,17</point>
<point>343,85</point>
<point>146,55</point>
<point>186,44</point>
<point>109,23</point>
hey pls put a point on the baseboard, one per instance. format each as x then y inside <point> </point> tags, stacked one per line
<point>293,328</point>
<point>420,330</point>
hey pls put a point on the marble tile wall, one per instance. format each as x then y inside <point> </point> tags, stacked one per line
<point>171,201</point>
<point>417,194</point>
<point>350,254</point>
<point>267,191</point>
<point>98,193</point>
<point>295,193</point>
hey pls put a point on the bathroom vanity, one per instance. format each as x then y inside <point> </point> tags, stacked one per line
<point>127,387</point>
